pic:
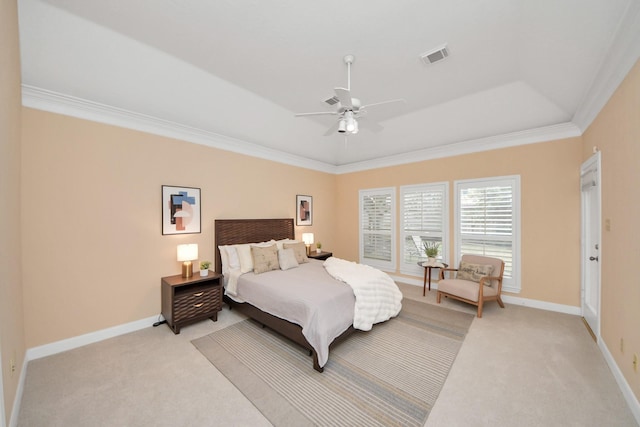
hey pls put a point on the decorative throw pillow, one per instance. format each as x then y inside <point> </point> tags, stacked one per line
<point>474,272</point>
<point>287,259</point>
<point>300,250</point>
<point>264,258</point>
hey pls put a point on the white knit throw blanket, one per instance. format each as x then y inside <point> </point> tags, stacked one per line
<point>377,296</point>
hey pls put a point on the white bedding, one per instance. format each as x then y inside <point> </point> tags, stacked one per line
<point>305,295</point>
<point>377,296</point>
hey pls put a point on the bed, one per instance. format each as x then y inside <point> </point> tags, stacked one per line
<point>242,231</point>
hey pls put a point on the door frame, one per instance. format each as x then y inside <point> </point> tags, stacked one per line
<point>594,162</point>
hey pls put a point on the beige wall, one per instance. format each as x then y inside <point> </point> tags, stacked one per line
<point>549,174</point>
<point>12,343</point>
<point>91,217</point>
<point>91,214</point>
<point>616,132</point>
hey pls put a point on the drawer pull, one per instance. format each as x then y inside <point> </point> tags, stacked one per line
<point>199,294</point>
<point>198,305</point>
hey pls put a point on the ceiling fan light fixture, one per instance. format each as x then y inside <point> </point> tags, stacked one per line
<point>342,126</point>
<point>351,125</point>
<point>350,121</point>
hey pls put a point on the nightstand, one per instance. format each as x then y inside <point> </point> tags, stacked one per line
<point>190,300</point>
<point>321,256</point>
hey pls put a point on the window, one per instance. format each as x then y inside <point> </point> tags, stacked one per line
<point>487,223</point>
<point>424,213</point>
<point>377,225</point>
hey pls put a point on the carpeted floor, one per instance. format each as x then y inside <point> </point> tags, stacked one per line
<point>517,366</point>
<point>369,379</point>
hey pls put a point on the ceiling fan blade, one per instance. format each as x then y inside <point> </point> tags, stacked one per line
<point>344,95</point>
<point>317,113</point>
<point>367,124</point>
<point>383,102</point>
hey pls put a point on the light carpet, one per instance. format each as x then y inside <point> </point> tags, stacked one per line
<point>391,375</point>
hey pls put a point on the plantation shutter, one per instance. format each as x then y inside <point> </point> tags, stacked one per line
<point>487,221</point>
<point>377,222</point>
<point>423,217</point>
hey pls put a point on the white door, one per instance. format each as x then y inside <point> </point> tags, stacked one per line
<point>590,200</point>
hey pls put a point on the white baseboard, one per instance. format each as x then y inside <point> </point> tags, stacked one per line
<point>81,340</point>
<point>525,302</point>
<point>15,410</point>
<point>542,305</point>
<point>631,399</point>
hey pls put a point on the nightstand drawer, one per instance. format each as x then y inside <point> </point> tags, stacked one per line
<point>189,303</point>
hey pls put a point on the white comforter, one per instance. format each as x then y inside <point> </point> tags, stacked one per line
<point>377,296</point>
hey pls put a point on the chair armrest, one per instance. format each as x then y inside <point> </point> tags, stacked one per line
<point>490,278</point>
<point>442,270</point>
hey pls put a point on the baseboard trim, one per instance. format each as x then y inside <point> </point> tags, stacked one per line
<point>631,399</point>
<point>15,410</point>
<point>92,337</point>
<point>525,302</point>
<point>542,305</point>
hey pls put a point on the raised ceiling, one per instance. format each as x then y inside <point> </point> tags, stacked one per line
<point>233,73</point>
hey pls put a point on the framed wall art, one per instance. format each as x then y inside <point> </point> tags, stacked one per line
<point>304,208</point>
<point>180,210</point>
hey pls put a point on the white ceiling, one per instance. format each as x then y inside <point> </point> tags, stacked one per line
<point>232,73</point>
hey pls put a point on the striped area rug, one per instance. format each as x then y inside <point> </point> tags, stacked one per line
<point>391,375</point>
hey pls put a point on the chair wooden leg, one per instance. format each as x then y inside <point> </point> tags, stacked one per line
<point>500,303</point>
<point>439,295</point>
<point>480,308</point>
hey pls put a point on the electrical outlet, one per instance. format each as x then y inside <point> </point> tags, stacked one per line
<point>12,366</point>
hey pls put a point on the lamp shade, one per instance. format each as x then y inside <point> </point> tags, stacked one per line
<point>187,252</point>
<point>307,238</point>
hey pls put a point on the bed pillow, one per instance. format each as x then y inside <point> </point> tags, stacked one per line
<point>245,257</point>
<point>264,258</point>
<point>232,257</point>
<point>287,259</point>
<point>281,242</point>
<point>474,272</point>
<point>299,249</point>
<point>224,259</point>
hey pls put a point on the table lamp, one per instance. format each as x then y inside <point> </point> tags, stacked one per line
<point>187,253</point>
<point>307,238</point>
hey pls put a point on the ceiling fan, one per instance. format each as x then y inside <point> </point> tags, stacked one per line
<point>350,110</point>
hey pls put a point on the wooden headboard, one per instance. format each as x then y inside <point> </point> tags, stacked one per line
<point>238,231</point>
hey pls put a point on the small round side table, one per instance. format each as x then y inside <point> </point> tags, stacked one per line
<point>427,274</point>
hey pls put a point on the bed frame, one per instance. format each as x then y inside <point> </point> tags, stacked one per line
<point>238,231</point>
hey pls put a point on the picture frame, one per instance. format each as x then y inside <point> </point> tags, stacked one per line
<point>181,210</point>
<point>304,210</point>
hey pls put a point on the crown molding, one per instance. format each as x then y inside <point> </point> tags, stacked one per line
<point>43,99</point>
<point>623,54</point>
<point>544,134</point>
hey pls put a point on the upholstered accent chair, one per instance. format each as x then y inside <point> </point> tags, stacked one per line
<point>477,280</point>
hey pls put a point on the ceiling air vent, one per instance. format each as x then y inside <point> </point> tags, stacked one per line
<point>435,55</point>
<point>332,101</point>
